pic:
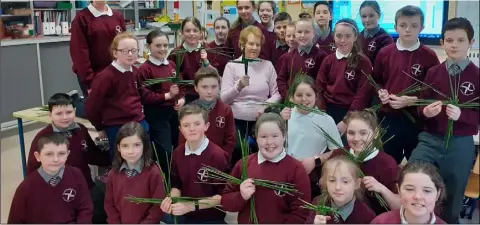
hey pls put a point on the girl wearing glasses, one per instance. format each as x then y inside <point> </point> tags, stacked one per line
<point>114,99</point>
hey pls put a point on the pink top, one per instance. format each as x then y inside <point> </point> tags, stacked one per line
<point>262,88</point>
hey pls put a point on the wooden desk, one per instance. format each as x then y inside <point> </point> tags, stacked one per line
<point>36,115</point>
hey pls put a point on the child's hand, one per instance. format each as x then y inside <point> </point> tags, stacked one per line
<point>179,209</point>
<point>286,113</point>
<point>102,135</point>
<point>433,109</point>
<point>453,112</point>
<point>319,219</point>
<point>342,127</point>
<point>179,104</point>
<point>203,55</point>
<point>383,96</point>
<point>243,82</point>
<point>309,164</point>
<point>247,188</point>
<point>174,90</point>
<point>166,205</point>
<point>372,184</point>
<point>401,102</point>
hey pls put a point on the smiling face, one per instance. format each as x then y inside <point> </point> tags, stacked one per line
<point>128,46</point>
<point>344,37</point>
<point>358,134</point>
<point>131,149</point>
<point>408,28</point>
<point>369,17</point>
<point>322,15</point>
<point>265,12</point>
<point>208,88</point>
<point>340,183</point>
<point>193,127</point>
<point>253,46</point>
<point>304,33</point>
<point>52,157</point>
<point>245,10</point>
<point>62,116</point>
<point>304,95</point>
<point>290,37</point>
<point>418,196</point>
<point>191,34</point>
<point>281,28</point>
<point>159,47</point>
<point>456,44</point>
<point>270,140</point>
<point>221,30</point>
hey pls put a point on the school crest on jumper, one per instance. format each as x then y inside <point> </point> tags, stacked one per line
<point>69,194</point>
<point>220,121</point>
<point>467,88</point>
<point>332,46</point>
<point>309,63</point>
<point>416,70</point>
<point>84,145</point>
<point>372,46</point>
<point>118,28</point>
<point>202,175</point>
<point>279,193</point>
<point>350,74</point>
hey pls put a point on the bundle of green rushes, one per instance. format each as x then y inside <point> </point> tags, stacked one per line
<point>216,174</point>
<point>179,56</point>
<point>408,91</point>
<point>320,208</point>
<point>371,145</point>
<point>453,100</point>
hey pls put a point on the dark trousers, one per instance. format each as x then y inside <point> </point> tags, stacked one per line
<point>169,219</point>
<point>405,134</point>
<point>454,165</point>
<point>162,132</point>
<point>83,87</point>
<point>245,128</point>
<point>112,131</point>
<point>97,193</point>
<point>338,114</point>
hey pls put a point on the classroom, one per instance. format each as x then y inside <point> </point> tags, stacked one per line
<point>177,111</point>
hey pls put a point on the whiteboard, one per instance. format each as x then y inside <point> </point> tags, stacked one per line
<point>469,10</point>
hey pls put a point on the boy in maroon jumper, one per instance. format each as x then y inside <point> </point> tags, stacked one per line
<point>187,175</point>
<point>279,46</point>
<point>373,37</point>
<point>222,28</point>
<point>93,30</point>
<point>83,150</point>
<point>270,163</point>
<point>54,193</point>
<point>222,125</point>
<point>410,56</point>
<point>454,161</point>
<point>322,10</point>
<point>306,58</point>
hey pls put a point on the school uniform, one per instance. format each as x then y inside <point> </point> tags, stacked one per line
<point>324,40</point>
<point>187,175</point>
<point>271,206</point>
<point>387,175</point>
<point>60,199</point>
<point>354,212</point>
<point>279,63</point>
<point>343,89</point>
<point>92,32</point>
<point>114,101</point>
<point>245,103</point>
<point>390,64</point>
<point>397,217</point>
<point>140,181</point>
<point>159,112</point>
<point>373,41</point>
<point>233,39</point>
<point>461,149</point>
<point>222,125</point>
<point>220,61</point>
<point>83,150</point>
<point>307,60</point>
<point>277,50</point>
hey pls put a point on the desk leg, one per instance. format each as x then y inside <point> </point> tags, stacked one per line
<point>22,146</point>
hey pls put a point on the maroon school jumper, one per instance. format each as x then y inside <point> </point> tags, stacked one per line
<point>155,94</point>
<point>36,201</point>
<point>328,44</point>
<point>220,61</point>
<point>294,62</point>
<point>361,214</point>
<point>372,45</point>
<point>270,206</point>
<point>393,217</point>
<point>276,50</point>
<point>90,41</point>
<point>234,38</point>
<point>345,87</point>
<point>114,99</point>
<point>147,184</point>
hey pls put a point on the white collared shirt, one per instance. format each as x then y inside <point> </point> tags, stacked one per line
<point>277,159</point>
<point>120,68</point>
<point>371,156</point>
<point>404,221</point>
<point>157,61</point>
<point>97,13</point>
<point>339,55</point>
<point>189,49</point>
<point>411,49</point>
<point>200,149</point>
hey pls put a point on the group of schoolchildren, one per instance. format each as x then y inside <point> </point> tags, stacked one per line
<point>308,63</point>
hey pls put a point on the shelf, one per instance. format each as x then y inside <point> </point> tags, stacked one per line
<point>47,9</point>
<point>150,8</point>
<point>8,15</point>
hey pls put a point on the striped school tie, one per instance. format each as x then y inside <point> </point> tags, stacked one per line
<point>54,181</point>
<point>302,53</point>
<point>454,70</point>
<point>130,172</point>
